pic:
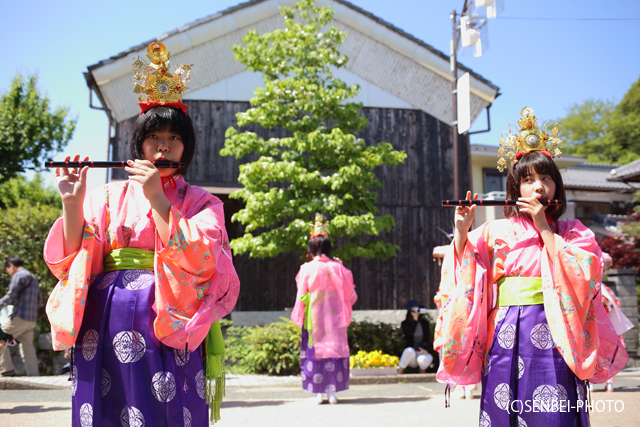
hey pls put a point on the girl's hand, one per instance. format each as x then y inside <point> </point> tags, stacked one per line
<point>464,216</point>
<point>144,172</point>
<point>72,183</point>
<point>533,207</point>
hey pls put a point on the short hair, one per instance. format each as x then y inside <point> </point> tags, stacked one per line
<point>13,260</point>
<point>162,118</point>
<point>319,245</point>
<point>541,164</point>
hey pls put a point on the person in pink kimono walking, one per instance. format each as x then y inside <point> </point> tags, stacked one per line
<point>324,301</point>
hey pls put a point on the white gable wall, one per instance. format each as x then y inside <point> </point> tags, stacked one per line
<point>392,70</point>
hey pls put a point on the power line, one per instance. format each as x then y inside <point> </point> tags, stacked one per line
<point>568,19</point>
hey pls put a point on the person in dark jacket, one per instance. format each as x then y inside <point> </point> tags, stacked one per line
<point>418,342</point>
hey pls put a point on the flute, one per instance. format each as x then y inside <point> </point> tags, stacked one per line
<point>113,164</point>
<point>453,203</point>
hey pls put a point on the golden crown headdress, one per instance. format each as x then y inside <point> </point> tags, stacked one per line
<point>154,82</point>
<point>529,138</point>
<point>319,227</point>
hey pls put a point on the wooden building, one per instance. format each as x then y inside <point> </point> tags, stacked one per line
<point>405,89</point>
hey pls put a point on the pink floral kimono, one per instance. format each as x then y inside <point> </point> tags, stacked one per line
<point>328,288</point>
<point>136,331</point>
<point>527,354</point>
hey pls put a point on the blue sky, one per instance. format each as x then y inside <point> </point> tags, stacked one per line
<point>552,59</point>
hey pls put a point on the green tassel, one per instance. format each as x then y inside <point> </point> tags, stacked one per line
<point>214,370</point>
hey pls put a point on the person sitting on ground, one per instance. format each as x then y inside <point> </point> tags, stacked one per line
<point>418,343</point>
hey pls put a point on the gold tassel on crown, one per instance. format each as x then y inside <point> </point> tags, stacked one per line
<point>529,138</point>
<point>155,83</point>
<point>319,227</point>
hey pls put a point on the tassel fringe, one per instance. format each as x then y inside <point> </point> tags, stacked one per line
<point>215,385</point>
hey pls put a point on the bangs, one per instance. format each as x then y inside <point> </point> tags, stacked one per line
<point>534,163</point>
<point>162,119</point>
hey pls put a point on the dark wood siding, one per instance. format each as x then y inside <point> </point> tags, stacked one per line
<point>410,192</point>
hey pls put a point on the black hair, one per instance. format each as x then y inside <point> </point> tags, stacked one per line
<point>164,118</point>
<point>541,164</point>
<point>319,245</point>
<point>13,260</point>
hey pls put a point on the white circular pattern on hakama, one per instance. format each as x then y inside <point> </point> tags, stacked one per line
<point>520,367</point>
<point>562,393</point>
<point>89,344</point>
<point>546,398</point>
<point>580,391</point>
<point>187,417</point>
<point>200,384</point>
<point>86,415</point>
<point>106,382</point>
<point>135,280</point>
<point>129,346</point>
<point>501,314</point>
<point>521,422</point>
<point>303,376</point>
<point>74,383</point>
<point>163,386</point>
<point>345,363</point>
<point>317,378</point>
<point>131,417</point>
<point>107,280</point>
<point>330,388</point>
<point>503,395</point>
<point>485,421</point>
<point>309,365</point>
<point>310,387</point>
<point>339,377</point>
<point>486,368</point>
<point>541,337</point>
<point>329,366</point>
<point>182,356</point>
<point>303,354</point>
<point>507,336</point>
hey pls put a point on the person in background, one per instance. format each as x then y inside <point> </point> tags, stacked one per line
<point>24,295</point>
<point>417,337</point>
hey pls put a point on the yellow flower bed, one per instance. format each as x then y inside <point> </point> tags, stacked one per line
<point>373,359</point>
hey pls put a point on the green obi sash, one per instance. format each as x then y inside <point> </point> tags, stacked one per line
<point>308,325</point>
<point>128,259</point>
<point>520,291</point>
<point>142,259</point>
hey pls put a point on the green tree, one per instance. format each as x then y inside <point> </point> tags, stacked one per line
<point>321,167</point>
<point>29,130</point>
<point>24,226</point>
<point>603,131</point>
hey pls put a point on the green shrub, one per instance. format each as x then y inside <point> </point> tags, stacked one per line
<point>365,336</point>
<point>273,349</point>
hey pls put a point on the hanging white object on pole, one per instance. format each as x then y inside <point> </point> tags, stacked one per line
<point>464,104</point>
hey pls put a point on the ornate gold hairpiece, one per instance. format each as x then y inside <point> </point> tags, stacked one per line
<point>529,138</point>
<point>154,82</point>
<point>319,226</point>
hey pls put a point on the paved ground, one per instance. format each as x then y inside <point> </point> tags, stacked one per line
<point>258,401</point>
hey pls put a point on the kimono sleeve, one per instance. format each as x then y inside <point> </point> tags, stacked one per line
<point>75,272</point>
<point>578,323</point>
<point>302,283</point>
<point>196,282</point>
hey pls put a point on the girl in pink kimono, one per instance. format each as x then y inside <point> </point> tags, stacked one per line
<point>325,296</point>
<point>145,269</point>
<point>520,306</point>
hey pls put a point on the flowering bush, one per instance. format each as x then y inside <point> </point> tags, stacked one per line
<point>373,359</point>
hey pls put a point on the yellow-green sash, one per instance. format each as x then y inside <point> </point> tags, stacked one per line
<point>128,259</point>
<point>308,325</point>
<point>520,291</point>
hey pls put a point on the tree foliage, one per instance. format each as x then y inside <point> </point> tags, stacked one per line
<point>29,130</point>
<point>602,131</point>
<point>321,167</point>
<point>24,226</point>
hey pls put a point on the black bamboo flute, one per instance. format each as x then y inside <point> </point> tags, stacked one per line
<point>112,164</point>
<point>453,203</point>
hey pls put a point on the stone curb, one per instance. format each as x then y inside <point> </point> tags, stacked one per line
<point>17,384</point>
<point>393,379</point>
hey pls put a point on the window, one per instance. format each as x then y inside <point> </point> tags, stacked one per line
<point>494,180</point>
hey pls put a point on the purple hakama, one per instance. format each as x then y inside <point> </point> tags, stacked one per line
<point>123,375</point>
<point>525,381</point>
<point>329,375</point>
